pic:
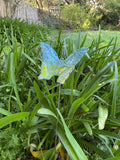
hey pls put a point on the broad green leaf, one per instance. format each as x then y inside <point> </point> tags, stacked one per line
<point>80,100</point>
<point>102,100</point>
<point>68,92</point>
<point>13,79</point>
<point>99,76</point>
<point>103,114</point>
<point>117,152</point>
<point>5,85</point>
<point>77,76</point>
<point>115,121</point>
<point>66,143</point>
<point>69,142</point>
<point>12,118</point>
<point>5,112</point>
<point>42,99</point>
<point>46,111</point>
<point>85,108</point>
<point>107,134</point>
<point>88,128</point>
<point>77,149</point>
<point>115,88</point>
<point>38,91</point>
<point>115,158</point>
<point>29,58</point>
<point>37,106</point>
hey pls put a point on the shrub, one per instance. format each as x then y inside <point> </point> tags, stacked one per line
<point>23,32</point>
<point>76,16</point>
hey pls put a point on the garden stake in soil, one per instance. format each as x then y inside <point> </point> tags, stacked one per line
<point>57,121</point>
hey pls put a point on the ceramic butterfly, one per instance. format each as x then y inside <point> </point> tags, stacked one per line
<point>52,65</point>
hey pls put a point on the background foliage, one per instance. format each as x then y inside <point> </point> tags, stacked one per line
<point>84,14</point>
<point>75,14</point>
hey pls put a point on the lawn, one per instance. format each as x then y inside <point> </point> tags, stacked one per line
<point>106,36</point>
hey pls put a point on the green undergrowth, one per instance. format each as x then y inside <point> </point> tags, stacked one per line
<point>89,100</point>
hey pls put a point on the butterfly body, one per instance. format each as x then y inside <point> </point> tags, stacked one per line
<point>52,65</point>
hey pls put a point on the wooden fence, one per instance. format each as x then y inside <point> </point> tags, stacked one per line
<point>20,10</point>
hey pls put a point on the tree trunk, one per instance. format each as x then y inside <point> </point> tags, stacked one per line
<point>6,8</point>
<point>38,6</point>
<point>3,12</point>
<point>41,4</point>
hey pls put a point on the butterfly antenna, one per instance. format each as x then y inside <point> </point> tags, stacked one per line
<point>56,137</point>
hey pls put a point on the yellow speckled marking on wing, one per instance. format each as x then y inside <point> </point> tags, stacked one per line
<point>64,74</point>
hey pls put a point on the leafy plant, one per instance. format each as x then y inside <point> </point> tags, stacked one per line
<point>75,16</point>
<point>41,119</point>
<point>16,58</point>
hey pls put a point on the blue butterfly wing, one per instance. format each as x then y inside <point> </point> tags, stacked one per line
<point>76,56</point>
<point>69,64</point>
<point>49,61</point>
<point>51,65</point>
<point>49,53</point>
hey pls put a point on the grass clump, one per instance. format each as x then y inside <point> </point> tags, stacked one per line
<point>88,100</point>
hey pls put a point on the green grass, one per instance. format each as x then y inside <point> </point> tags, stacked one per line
<point>105,36</point>
<point>88,101</point>
<point>74,37</point>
